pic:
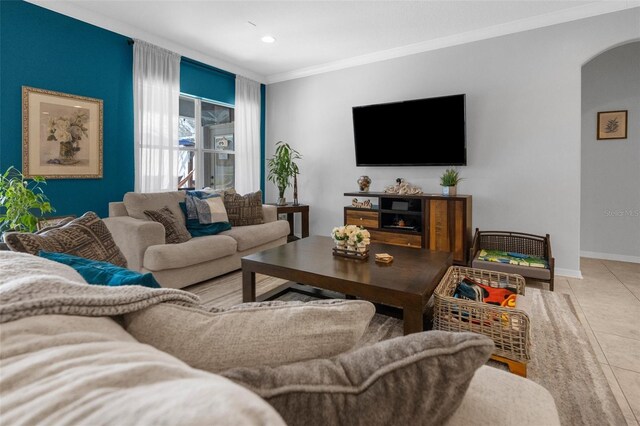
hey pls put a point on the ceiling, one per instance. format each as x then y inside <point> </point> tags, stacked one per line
<point>318,36</point>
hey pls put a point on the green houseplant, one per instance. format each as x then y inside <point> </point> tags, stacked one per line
<point>282,168</point>
<point>20,198</point>
<point>449,181</point>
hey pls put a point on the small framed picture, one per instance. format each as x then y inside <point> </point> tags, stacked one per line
<point>612,125</point>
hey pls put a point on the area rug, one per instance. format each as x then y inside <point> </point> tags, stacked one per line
<point>562,358</point>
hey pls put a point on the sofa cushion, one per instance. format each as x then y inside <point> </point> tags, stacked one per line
<point>525,271</point>
<point>194,251</point>
<point>499,398</point>
<point>137,203</point>
<point>244,209</point>
<point>252,334</point>
<point>77,370</point>
<point>254,235</point>
<point>175,231</point>
<point>397,381</point>
<point>102,273</point>
<point>86,236</point>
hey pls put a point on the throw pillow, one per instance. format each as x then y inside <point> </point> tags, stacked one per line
<point>86,236</point>
<point>244,209</point>
<point>397,381</point>
<point>102,273</point>
<point>207,208</point>
<point>197,229</point>
<point>175,231</point>
<point>252,334</point>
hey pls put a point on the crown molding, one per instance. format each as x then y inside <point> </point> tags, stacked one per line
<point>559,17</point>
<point>78,12</point>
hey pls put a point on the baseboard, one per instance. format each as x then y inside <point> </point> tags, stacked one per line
<point>571,273</point>
<point>610,256</point>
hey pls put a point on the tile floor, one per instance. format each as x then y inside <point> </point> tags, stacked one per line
<point>607,300</point>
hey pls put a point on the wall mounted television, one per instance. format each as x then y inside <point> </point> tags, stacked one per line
<point>420,132</point>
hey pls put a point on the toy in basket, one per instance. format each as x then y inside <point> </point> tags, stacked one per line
<point>489,303</point>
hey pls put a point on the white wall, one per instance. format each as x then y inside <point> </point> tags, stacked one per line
<point>610,202</point>
<point>523,126</point>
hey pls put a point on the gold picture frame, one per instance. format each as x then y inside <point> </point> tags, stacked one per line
<point>612,125</point>
<point>61,135</point>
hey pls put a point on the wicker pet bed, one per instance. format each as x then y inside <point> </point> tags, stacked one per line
<point>518,242</point>
<point>509,328</point>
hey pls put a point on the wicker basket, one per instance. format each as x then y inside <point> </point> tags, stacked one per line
<point>508,327</point>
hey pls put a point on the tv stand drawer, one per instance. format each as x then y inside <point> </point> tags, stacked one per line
<point>396,238</point>
<point>360,218</point>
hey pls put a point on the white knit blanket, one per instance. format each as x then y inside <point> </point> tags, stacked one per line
<point>32,286</point>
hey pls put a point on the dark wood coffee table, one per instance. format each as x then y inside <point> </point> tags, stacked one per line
<point>408,282</point>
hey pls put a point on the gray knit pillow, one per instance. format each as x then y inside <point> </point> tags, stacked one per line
<point>415,379</point>
<point>175,231</point>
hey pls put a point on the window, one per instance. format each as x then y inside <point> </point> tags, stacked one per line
<point>206,144</point>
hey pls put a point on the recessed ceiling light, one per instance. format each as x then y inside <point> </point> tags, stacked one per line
<point>268,39</point>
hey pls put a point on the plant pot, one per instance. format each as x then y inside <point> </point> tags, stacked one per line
<point>449,190</point>
<point>281,201</point>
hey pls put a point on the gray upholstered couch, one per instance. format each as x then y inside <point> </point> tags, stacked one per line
<point>178,265</point>
<point>73,354</point>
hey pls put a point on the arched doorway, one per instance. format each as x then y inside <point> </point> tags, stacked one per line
<point>610,168</point>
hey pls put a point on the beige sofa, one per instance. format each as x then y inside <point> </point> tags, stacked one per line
<point>69,357</point>
<point>178,265</point>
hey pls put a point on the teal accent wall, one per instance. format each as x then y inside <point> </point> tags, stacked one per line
<point>47,50</point>
<point>207,82</point>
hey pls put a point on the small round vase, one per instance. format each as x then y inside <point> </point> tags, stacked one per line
<point>364,182</point>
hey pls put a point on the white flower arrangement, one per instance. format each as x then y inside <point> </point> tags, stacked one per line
<point>351,235</point>
<point>68,131</point>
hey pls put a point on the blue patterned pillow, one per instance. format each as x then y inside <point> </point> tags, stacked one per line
<point>206,207</point>
<point>102,273</point>
<point>197,229</point>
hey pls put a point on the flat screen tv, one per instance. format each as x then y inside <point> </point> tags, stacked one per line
<point>420,132</point>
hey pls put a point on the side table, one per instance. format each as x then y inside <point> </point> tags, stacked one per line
<point>289,209</point>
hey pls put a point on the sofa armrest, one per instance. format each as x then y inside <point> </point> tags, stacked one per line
<point>134,236</point>
<point>270,213</point>
<point>117,208</point>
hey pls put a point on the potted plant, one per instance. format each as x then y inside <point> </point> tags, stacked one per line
<point>19,199</point>
<point>282,168</point>
<point>449,181</point>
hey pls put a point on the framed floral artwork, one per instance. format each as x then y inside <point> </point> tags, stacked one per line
<point>612,125</point>
<point>61,135</point>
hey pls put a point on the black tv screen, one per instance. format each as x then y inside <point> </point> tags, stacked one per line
<point>421,132</point>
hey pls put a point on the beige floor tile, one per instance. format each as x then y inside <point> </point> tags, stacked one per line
<point>619,395</point>
<point>587,328</point>
<point>619,351</point>
<point>629,382</point>
<point>628,277</point>
<point>589,264</point>
<point>613,320</point>
<point>600,356</point>
<point>562,286</point>
<point>616,266</point>
<point>605,296</point>
<point>634,288</point>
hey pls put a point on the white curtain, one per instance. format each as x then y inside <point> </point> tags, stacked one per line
<point>247,135</point>
<point>156,94</point>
